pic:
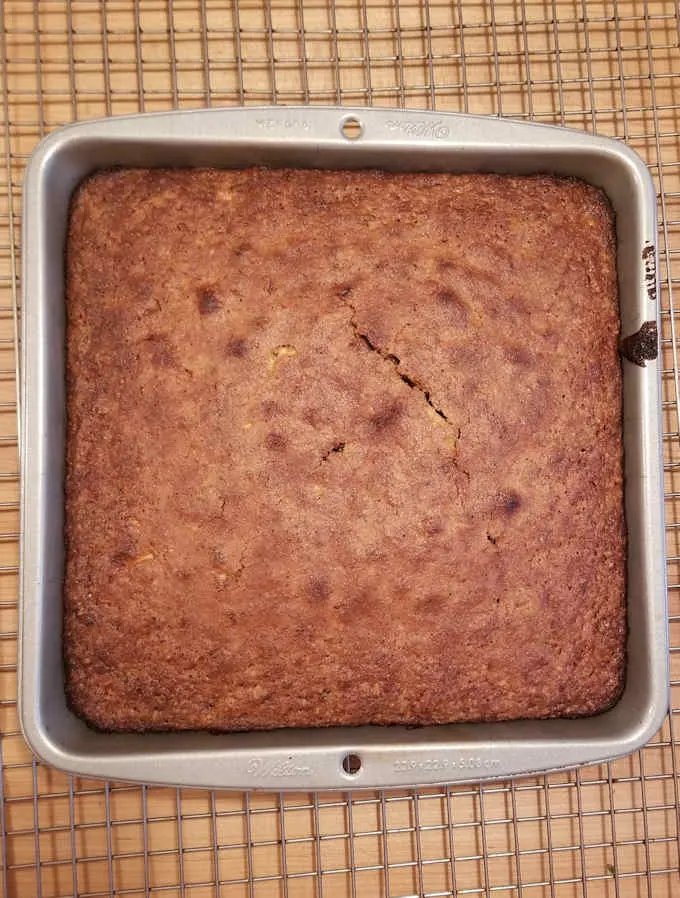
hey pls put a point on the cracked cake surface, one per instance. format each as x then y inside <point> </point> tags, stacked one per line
<point>342,448</point>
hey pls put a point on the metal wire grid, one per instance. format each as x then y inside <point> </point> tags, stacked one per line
<point>610,67</point>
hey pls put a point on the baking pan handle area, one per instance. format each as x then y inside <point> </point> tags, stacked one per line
<point>328,760</point>
<point>343,126</point>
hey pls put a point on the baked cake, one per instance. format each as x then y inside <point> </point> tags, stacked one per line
<point>343,448</point>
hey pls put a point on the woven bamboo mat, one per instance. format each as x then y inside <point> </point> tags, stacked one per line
<point>610,67</point>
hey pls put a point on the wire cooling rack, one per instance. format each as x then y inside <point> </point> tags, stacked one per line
<point>610,67</point>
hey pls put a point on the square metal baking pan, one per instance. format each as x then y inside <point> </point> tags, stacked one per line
<point>313,759</point>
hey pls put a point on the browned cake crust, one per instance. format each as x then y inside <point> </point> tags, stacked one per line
<point>343,448</point>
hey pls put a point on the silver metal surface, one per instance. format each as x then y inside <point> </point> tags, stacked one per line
<point>312,759</point>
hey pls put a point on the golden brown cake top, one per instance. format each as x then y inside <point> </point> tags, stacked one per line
<point>343,448</point>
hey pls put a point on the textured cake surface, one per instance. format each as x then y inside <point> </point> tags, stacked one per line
<point>342,448</point>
